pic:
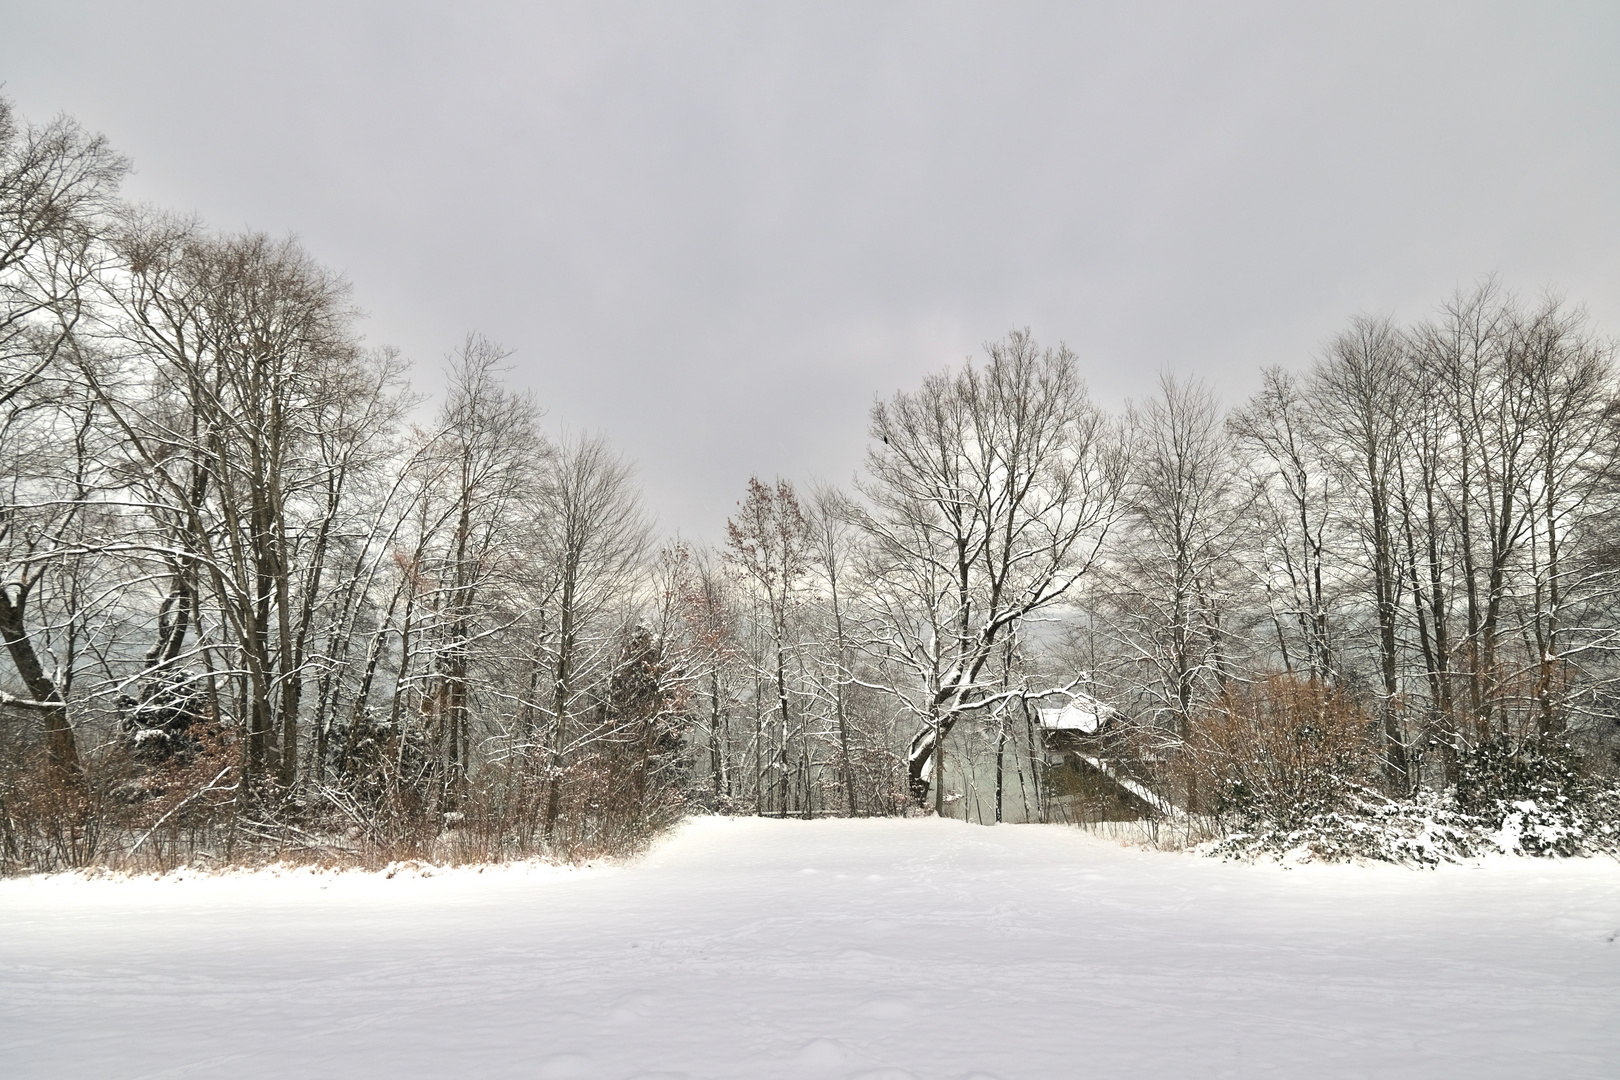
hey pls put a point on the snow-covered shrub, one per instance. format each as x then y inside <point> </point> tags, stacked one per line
<point>1367,826</point>
<point>1533,791</point>
<point>1431,828</point>
<point>158,725</point>
<point>1288,769</point>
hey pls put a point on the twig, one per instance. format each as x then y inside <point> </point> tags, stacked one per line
<point>173,810</point>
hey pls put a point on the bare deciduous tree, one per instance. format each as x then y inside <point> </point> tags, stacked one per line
<point>595,536</point>
<point>1360,389</point>
<point>1173,574</point>
<point>991,491</point>
<point>57,183</point>
<point>768,542</point>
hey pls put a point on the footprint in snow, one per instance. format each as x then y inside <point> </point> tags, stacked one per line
<point>633,1008</point>
<point>823,1054</point>
<point>566,1067</point>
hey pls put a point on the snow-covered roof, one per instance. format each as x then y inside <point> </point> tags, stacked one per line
<point>1084,714</point>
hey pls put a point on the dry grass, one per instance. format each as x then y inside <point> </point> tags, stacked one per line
<point>130,815</point>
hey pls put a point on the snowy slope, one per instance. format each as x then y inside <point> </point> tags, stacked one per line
<point>877,949</point>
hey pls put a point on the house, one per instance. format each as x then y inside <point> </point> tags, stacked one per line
<point>1085,774</point>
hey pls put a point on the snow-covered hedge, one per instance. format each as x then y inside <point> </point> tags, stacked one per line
<point>1531,795</point>
<point>1432,829</point>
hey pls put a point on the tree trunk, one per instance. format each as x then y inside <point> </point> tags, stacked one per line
<point>60,745</point>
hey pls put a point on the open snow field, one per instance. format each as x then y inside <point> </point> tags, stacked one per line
<point>877,949</point>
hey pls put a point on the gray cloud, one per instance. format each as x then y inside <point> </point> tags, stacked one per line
<point>716,231</point>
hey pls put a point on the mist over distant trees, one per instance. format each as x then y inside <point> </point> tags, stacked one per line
<point>259,599</point>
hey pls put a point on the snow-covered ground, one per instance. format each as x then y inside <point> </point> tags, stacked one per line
<point>876,949</point>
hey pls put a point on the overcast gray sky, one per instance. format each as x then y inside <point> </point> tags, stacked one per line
<point>715,231</point>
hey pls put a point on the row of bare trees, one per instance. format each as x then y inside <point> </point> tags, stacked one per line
<point>1423,519</point>
<point>863,628</point>
<point>235,547</point>
<point>1421,526</point>
<point>253,589</point>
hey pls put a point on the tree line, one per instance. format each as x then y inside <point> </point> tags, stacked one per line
<point>1421,524</point>
<point>259,597</point>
